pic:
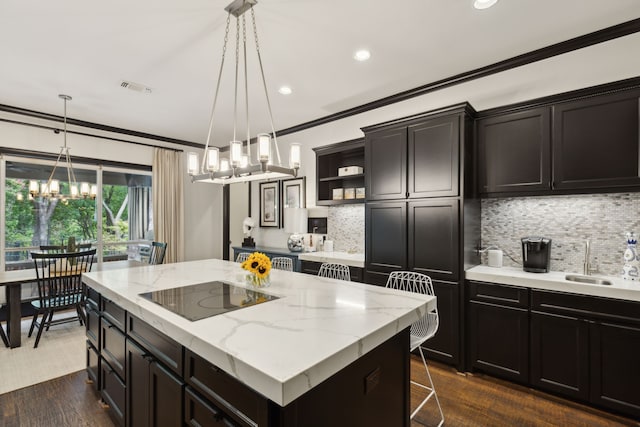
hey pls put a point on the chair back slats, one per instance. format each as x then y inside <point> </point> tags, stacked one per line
<point>411,281</point>
<point>59,277</point>
<point>282,263</point>
<point>242,256</point>
<point>335,270</point>
<point>158,249</point>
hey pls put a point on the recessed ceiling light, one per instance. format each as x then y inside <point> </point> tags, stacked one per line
<point>362,55</point>
<point>285,90</point>
<point>484,4</point>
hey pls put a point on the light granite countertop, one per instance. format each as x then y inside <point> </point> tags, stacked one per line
<point>281,348</point>
<point>352,260</point>
<point>555,281</point>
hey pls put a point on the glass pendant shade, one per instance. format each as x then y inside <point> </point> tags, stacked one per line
<point>224,164</point>
<point>213,159</point>
<point>192,163</point>
<point>264,147</point>
<point>73,190</point>
<point>236,153</point>
<point>54,187</point>
<point>44,189</point>
<point>294,155</point>
<point>244,162</point>
<point>94,191</point>
<point>84,189</point>
<point>34,187</point>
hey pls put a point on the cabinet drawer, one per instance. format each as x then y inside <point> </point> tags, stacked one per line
<point>113,391</point>
<point>163,348</point>
<point>586,306</point>
<point>199,412</point>
<point>113,347</point>
<point>233,397</point>
<point>93,325</point>
<point>93,365</point>
<point>93,297</point>
<point>512,296</point>
<point>113,312</point>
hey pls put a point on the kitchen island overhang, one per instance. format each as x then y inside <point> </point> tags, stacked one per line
<point>282,348</point>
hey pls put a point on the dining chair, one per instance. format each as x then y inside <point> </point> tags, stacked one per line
<point>242,256</point>
<point>158,249</point>
<point>335,270</point>
<point>282,263</point>
<point>421,330</point>
<point>59,287</point>
<point>3,301</point>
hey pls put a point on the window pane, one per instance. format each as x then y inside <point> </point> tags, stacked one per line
<point>34,221</point>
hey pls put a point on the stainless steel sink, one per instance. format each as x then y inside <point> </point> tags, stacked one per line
<point>587,279</point>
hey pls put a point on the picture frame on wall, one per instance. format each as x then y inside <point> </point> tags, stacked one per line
<point>293,193</point>
<point>270,204</point>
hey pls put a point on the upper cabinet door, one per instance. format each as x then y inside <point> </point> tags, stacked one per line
<point>386,164</point>
<point>434,158</point>
<point>514,152</point>
<point>596,142</point>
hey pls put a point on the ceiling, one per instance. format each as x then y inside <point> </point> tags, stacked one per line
<point>86,49</point>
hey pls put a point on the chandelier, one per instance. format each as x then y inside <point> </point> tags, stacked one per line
<point>51,189</point>
<point>240,166</point>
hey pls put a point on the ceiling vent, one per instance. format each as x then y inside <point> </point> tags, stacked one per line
<point>137,87</point>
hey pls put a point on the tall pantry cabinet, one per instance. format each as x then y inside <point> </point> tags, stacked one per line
<point>422,213</point>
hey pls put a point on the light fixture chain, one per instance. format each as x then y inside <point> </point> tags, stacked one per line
<point>235,95</point>
<point>264,84</point>
<point>215,97</point>
<point>246,88</point>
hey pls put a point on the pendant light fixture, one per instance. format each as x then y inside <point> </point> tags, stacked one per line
<point>51,189</point>
<point>240,166</point>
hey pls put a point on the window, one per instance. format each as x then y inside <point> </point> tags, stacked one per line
<point>123,204</point>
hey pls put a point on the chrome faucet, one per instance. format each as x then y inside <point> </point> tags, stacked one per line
<point>587,250</point>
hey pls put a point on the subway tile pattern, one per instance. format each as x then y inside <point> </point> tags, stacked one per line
<point>345,226</point>
<point>568,221</point>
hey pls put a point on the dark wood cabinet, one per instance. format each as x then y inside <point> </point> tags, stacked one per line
<point>596,142</point>
<point>502,308</point>
<point>433,158</point>
<point>328,160</point>
<point>385,240</point>
<point>615,371</point>
<point>386,164</point>
<point>570,143</point>
<point>560,354</point>
<point>434,247</point>
<point>514,152</point>
<point>445,344</point>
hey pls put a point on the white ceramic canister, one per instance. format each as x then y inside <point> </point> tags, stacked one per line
<point>495,258</point>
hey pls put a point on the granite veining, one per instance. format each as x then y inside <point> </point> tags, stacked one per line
<point>280,348</point>
<point>568,221</point>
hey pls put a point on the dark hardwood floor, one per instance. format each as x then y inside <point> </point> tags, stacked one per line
<point>467,400</point>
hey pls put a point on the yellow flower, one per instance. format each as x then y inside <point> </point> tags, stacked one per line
<point>258,264</point>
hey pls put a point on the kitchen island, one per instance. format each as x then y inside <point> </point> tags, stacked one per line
<point>325,352</point>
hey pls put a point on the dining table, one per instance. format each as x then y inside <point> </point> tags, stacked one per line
<point>13,280</point>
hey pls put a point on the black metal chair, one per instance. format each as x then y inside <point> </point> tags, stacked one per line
<point>59,287</point>
<point>158,249</point>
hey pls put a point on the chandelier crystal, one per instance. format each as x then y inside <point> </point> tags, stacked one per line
<point>240,166</point>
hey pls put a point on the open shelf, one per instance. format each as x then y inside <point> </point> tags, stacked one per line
<point>331,157</point>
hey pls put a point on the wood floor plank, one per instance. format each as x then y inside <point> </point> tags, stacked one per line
<point>467,400</point>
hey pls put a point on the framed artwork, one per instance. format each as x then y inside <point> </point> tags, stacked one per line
<point>293,193</point>
<point>270,204</point>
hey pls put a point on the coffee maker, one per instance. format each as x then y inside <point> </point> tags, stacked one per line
<point>536,254</point>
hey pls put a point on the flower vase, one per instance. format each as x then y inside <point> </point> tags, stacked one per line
<point>258,282</point>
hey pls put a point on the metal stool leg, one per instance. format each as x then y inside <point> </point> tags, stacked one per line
<point>431,389</point>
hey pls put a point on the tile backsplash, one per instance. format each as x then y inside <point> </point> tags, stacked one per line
<point>568,221</point>
<point>345,226</point>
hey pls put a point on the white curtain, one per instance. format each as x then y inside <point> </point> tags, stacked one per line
<point>168,202</point>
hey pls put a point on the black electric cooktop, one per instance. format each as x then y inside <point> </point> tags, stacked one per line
<point>195,302</point>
